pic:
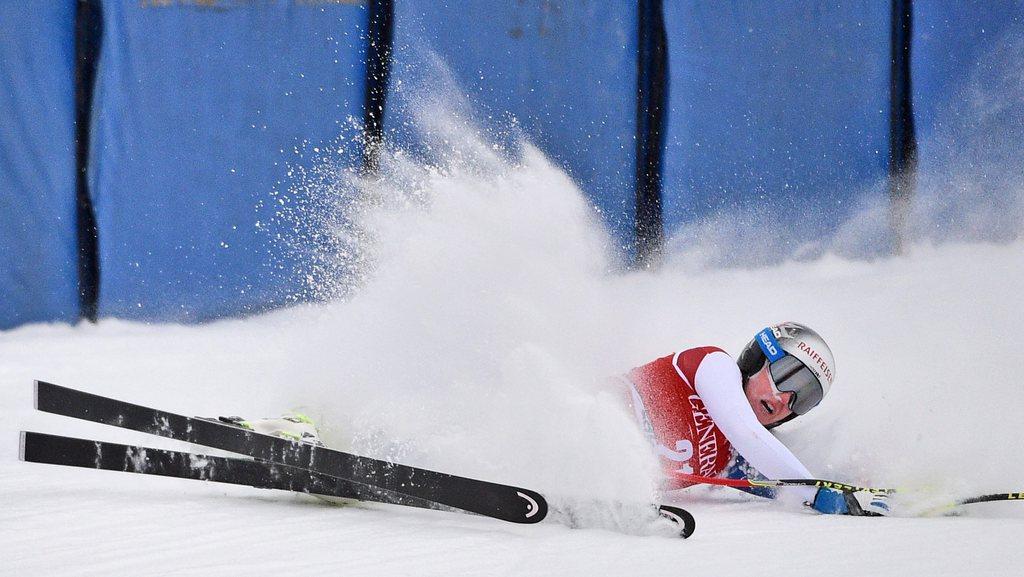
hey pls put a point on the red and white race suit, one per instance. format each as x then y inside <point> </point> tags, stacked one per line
<point>692,406</point>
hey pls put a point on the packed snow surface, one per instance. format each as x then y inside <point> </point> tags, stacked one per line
<point>927,347</point>
<point>480,317</point>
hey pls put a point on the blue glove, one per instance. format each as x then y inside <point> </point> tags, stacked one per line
<point>858,503</point>
<point>830,502</point>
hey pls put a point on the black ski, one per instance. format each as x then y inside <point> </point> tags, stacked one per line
<point>503,502</point>
<point>102,455</point>
<point>272,462</point>
<point>71,452</point>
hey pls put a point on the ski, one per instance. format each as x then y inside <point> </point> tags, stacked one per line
<point>504,502</point>
<point>272,462</point>
<point>52,449</point>
<point>73,452</point>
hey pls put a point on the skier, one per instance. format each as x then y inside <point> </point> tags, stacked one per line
<point>708,415</point>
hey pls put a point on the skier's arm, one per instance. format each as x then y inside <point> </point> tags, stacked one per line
<point>719,384</point>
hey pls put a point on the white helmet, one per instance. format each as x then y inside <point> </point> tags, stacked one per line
<point>799,362</point>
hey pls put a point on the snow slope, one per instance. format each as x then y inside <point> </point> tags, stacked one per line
<point>488,312</point>
<point>925,345</point>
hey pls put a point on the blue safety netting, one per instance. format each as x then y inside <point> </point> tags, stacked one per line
<point>969,114</point>
<point>777,111</point>
<point>199,113</point>
<point>38,270</point>
<point>566,71</point>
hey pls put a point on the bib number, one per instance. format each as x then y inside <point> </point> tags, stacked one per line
<point>682,454</point>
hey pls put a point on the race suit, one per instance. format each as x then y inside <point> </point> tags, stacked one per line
<point>692,407</point>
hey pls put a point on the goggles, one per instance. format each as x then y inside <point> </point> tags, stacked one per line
<point>789,375</point>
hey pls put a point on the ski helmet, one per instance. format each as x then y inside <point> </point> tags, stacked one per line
<point>799,362</point>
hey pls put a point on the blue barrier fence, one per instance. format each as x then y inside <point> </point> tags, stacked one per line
<point>665,112</point>
<point>38,250</point>
<point>567,71</point>
<point>197,116</point>
<point>781,107</point>
<point>969,113</point>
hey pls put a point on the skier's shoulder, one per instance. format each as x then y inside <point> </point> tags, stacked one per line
<point>698,353</point>
<point>683,364</point>
<point>688,361</point>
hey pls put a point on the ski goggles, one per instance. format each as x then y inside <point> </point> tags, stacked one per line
<point>789,375</point>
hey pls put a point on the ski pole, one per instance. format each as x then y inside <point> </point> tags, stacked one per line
<point>757,483</point>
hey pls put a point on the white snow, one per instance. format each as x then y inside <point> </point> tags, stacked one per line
<point>480,340</point>
<point>925,397</point>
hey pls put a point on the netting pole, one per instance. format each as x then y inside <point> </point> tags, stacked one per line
<point>378,72</point>
<point>88,33</point>
<point>652,85</point>
<point>902,140</point>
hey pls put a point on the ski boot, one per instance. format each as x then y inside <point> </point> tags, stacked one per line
<point>294,427</point>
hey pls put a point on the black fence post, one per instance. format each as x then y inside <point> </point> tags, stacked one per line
<point>652,87</point>
<point>902,140</point>
<point>378,71</point>
<point>88,35</point>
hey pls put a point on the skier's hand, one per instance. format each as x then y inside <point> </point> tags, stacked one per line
<point>858,503</point>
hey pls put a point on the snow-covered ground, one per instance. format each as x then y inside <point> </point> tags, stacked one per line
<point>927,347</point>
<point>479,341</point>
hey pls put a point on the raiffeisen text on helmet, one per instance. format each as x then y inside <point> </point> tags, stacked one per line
<point>813,355</point>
